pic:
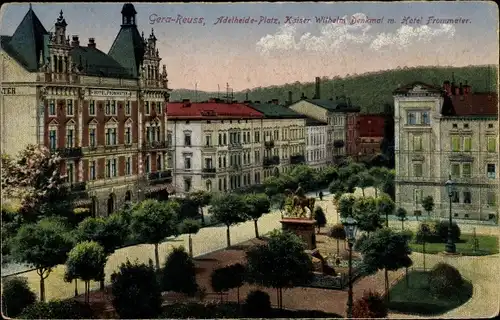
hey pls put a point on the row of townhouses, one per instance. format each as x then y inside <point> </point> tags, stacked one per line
<point>443,131</point>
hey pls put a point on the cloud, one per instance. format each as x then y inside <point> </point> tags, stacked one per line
<point>406,36</point>
<point>338,36</point>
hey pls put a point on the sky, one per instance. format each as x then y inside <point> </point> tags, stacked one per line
<point>274,50</point>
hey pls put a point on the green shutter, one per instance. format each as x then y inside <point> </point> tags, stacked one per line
<point>467,144</point>
<point>455,144</point>
<point>492,144</point>
<point>455,170</point>
<point>466,169</point>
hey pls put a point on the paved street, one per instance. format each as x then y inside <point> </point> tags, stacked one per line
<point>483,271</point>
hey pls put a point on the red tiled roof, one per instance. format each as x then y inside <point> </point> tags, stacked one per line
<point>211,110</point>
<point>370,125</point>
<point>475,104</point>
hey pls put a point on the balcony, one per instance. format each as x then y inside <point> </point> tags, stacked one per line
<point>235,146</point>
<point>208,173</point>
<point>297,159</point>
<point>160,177</point>
<point>236,167</point>
<point>269,144</point>
<point>78,186</point>
<point>75,152</point>
<point>271,161</point>
<point>155,145</point>
<point>209,148</point>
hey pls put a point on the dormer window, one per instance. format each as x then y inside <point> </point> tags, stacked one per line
<point>466,126</point>
<point>455,126</point>
<point>490,125</point>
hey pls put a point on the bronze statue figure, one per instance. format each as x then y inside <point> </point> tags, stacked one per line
<point>299,203</point>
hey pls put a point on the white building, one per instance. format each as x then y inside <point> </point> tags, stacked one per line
<point>441,132</point>
<point>316,143</point>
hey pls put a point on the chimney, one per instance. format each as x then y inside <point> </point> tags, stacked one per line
<point>316,92</point>
<point>290,97</point>
<point>447,87</point>
<point>91,43</point>
<point>275,101</point>
<point>75,42</point>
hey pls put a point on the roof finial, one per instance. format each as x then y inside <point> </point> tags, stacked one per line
<point>61,13</point>
<point>31,7</point>
<point>152,32</point>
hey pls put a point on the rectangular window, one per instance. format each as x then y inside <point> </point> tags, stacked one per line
<point>425,120</point>
<point>92,137</point>
<point>492,144</point>
<point>455,170</point>
<point>417,196</point>
<point>92,170</point>
<point>467,143</point>
<point>158,163</point>
<point>70,172</point>
<point>147,108</point>
<point>69,107</point>
<point>108,108</point>
<point>187,184</point>
<point>52,107</point>
<point>417,170</point>
<point>220,139</point>
<point>491,198</point>
<point>455,143</point>
<point>417,143</point>
<point>411,118</point>
<point>466,170</point>
<point>128,109</point>
<point>128,135</point>
<point>113,107</point>
<point>257,137</point>
<point>69,138</point>
<point>208,140</point>
<point>91,108</point>
<point>187,140</point>
<point>455,198</point>
<point>147,164</point>
<point>158,133</point>
<point>53,139</point>
<point>491,170</point>
<point>187,163</point>
<point>114,168</point>
<point>169,138</point>
<point>128,166</point>
<point>108,168</point>
<point>224,139</point>
<point>467,197</point>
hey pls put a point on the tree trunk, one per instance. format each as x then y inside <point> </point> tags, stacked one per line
<point>256,228</point>
<point>101,284</point>
<point>190,245</point>
<point>363,191</point>
<point>376,192</point>
<point>42,287</point>
<point>278,298</point>
<point>424,254</point>
<point>387,220</point>
<point>157,257</point>
<point>281,298</point>
<point>406,276</point>
<point>76,288</point>
<point>228,237</point>
<point>386,274</point>
<point>402,225</point>
<point>238,294</point>
<point>338,247</point>
<point>202,216</point>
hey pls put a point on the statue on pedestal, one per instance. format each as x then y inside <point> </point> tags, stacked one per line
<point>298,205</point>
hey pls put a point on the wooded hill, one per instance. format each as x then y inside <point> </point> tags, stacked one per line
<point>370,91</point>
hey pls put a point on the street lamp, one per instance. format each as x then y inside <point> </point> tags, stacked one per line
<point>350,227</point>
<point>451,189</point>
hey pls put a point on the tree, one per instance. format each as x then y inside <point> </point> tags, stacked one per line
<point>401,214</point>
<point>229,209</point>
<point>153,221</point>
<point>190,226</point>
<point>337,232</point>
<point>179,273</point>
<point>385,250</point>
<point>385,207</point>
<point>219,280</point>
<point>35,178</point>
<point>16,295</point>
<point>136,291</point>
<point>281,263</point>
<point>366,213</point>
<point>303,175</point>
<point>346,205</point>
<point>238,273</point>
<point>388,185</point>
<point>44,245</point>
<point>428,204</point>
<point>86,261</point>
<point>58,309</point>
<point>365,180</point>
<point>202,199</point>
<point>379,175</point>
<point>110,233</point>
<point>320,217</point>
<point>258,204</point>
<point>371,305</point>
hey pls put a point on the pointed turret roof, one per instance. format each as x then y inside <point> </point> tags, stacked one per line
<point>26,43</point>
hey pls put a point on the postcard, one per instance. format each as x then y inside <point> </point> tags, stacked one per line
<point>241,160</point>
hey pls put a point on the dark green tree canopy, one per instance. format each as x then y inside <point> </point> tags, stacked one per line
<point>229,209</point>
<point>179,273</point>
<point>86,261</point>
<point>190,226</point>
<point>258,204</point>
<point>109,232</point>
<point>153,221</point>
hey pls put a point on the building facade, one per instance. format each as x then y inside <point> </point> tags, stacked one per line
<point>370,134</point>
<point>103,113</point>
<point>316,144</point>
<point>441,132</point>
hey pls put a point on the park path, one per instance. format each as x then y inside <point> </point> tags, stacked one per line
<point>483,271</point>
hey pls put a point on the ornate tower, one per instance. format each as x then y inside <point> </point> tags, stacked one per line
<point>59,47</point>
<point>128,15</point>
<point>151,62</point>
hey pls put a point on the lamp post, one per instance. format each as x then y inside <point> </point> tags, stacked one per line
<point>350,227</point>
<point>450,188</point>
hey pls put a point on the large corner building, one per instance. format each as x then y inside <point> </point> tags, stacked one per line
<point>104,113</point>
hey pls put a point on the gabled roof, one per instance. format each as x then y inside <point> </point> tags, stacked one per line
<point>339,105</point>
<point>271,110</point>
<point>26,43</point>
<point>94,62</point>
<point>473,104</point>
<point>417,86</point>
<point>211,111</point>
<point>128,49</point>
<point>311,122</point>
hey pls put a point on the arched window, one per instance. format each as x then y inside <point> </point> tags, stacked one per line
<point>209,185</point>
<point>111,204</point>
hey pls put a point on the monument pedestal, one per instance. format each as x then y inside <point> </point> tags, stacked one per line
<point>304,228</point>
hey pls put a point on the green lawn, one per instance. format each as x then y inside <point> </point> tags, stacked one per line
<point>487,245</point>
<point>416,298</point>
